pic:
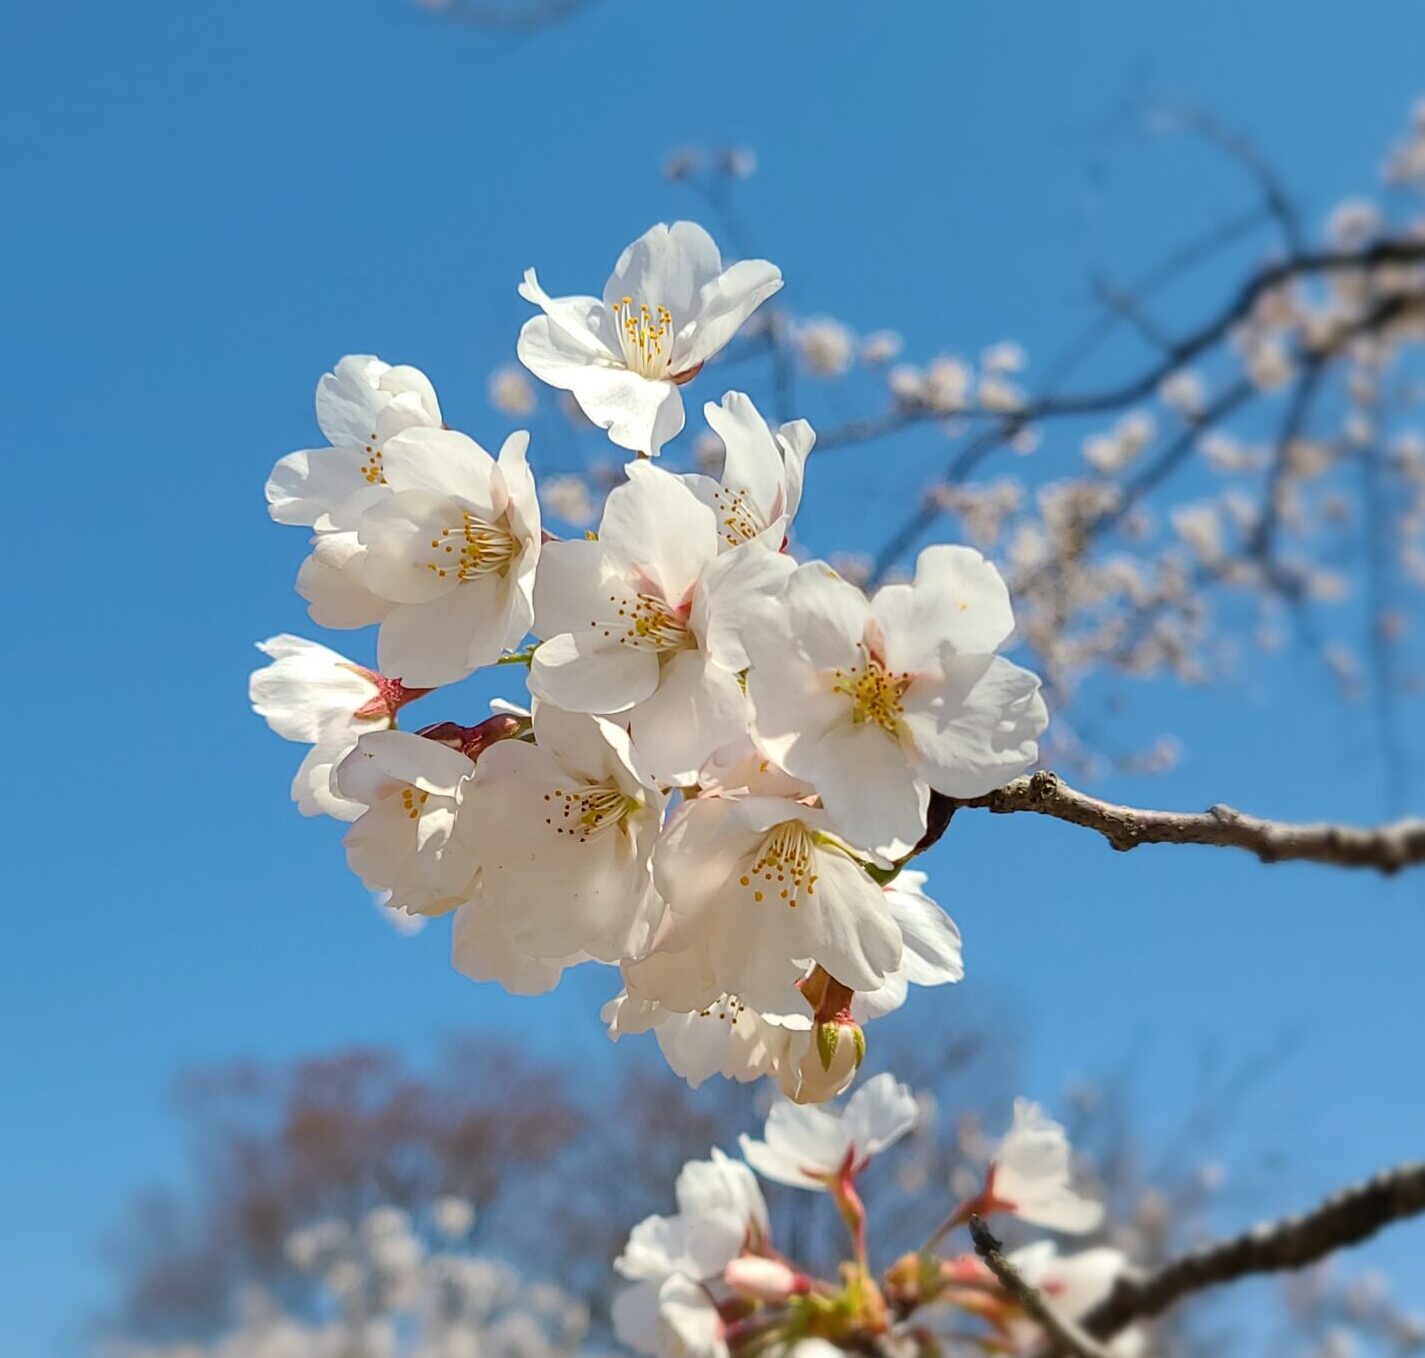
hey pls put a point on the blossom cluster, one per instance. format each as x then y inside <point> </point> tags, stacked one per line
<point>386,1288</point>
<point>709,1282</point>
<point>727,755</point>
<point>1173,518</point>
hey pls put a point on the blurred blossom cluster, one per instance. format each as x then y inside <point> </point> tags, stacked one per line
<point>383,1291</point>
<point>1331,1315</point>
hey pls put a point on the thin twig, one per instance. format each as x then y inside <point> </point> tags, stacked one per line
<point>1384,848</point>
<point>1191,346</point>
<point>1345,1218</point>
<point>1065,1334</point>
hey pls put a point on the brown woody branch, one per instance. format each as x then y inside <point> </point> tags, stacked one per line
<point>1385,848</point>
<point>1065,1335</point>
<point>1345,1218</point>
<point>1382,253</point>
<point>1002,426</point>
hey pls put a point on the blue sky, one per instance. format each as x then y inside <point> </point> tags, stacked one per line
<point>211,203</point>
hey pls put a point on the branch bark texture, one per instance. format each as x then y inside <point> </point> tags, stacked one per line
<point>1384,848</point>
<point>1065,1334</point>
<point>1345,1218</point>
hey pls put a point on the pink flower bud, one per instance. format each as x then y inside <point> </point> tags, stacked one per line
<point>768,1280</point>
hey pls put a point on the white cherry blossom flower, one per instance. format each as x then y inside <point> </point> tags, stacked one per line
<point>760,891</point>
<point>453,1215</point>
<point>875,702</point>
<point>730,1039</point>
<point>442,554</point>
<point>931,952</point>
<point>404,842</point>
<point>511,392</point>
<point>826,347</point>
<point>1004,357</point>
<point>762,470</point>
<point>563,830</point>
<point>645,624</point>
<point>315,696</point>
<point>361,404</point>
<point>880,347</point>
<point>815,1348</point>
<point>1029,1176</point>
<point>809,1147</point>
<point>667,308</point>
<point>569,498</point>
<point>482,948</point>
<point>670,1258</point>
<point>690,1325</point>
<point>725,1038</point>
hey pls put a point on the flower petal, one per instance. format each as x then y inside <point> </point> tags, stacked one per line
<point>444,462</point>
<point>957,598</point>
<point>305,486</point>
<point>975,724</point>
<point>639,413</point>
<point>723,305</point>
<point>330,580</point>
<point>481,949</point>
<point>444,639</point>
<point>584,322</point>
<point>698,707</point>
<point>583,672</point>
<point>660,530</point>
<point>869,789</point>
<point>666,266</point>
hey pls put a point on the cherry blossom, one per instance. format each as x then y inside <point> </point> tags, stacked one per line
<point>724,1038</point>
<point>404,841</point>
<point>563,830</point>
<point>361,404</point>
<point>315,696</point>
<point>442,554</point>
<point>875,702</point>
<point>670,1259</point>
<point>645,624</point>
<point>1029,1177</point>
<point>931,947</point>
<point>689,1323</point>
<point>808,1147</point>
<point>667,308</point>
<point>482,948</point>
<point>761,484</point>
<point>760,889</point>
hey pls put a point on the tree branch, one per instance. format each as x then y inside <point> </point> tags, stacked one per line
<point>1066,1336</point>
<point>1345,1218</point>
<point>1002,425</point>
<point>1385,848</point>
<point>1190,346</point>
